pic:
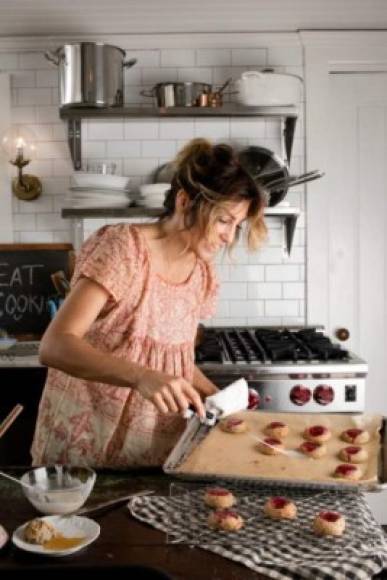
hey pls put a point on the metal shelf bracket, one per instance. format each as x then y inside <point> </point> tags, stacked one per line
<point>74,134</point>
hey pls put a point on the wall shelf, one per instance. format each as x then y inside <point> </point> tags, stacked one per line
<point>289,215</point>
<point>286,115</point>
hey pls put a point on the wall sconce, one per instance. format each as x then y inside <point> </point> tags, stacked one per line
<point>19,145</point>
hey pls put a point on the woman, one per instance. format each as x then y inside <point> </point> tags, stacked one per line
<point>121,348</point>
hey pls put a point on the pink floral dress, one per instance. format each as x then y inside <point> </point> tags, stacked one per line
<point>147,320</point>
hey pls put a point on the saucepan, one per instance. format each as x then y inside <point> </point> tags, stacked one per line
<point>186,94</point>
<point>271,172</point>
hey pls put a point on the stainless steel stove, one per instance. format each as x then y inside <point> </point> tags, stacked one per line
<point>292,369</point>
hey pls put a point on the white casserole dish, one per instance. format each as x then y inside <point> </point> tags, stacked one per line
<point>257,89</point>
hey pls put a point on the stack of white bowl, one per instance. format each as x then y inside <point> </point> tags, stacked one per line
<point>98,190</point>
<point>153,194</point>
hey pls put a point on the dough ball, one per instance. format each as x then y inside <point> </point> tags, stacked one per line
<point>233,425</point>
<point>329,524</point>
<point>347,471</point>
<point>39,531</point>
<point>280,508</point>
<point>317,434</point>
<point>219,498</point>
<point>355,436</point>
<point>227,520</point>
<point>353,454</point>
<point>277,430</point>
<point>315,450</point>
<point>270,446</point>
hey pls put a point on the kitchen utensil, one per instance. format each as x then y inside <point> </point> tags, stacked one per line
<point>16,480</point>
<point>58,489</point>
<point>289,452</point>
<point>10,418</point>
<point>229,400</point>
<point>90,74</point>
<point>177,94</point>
<point>107,504</point>
<point>267,88</point>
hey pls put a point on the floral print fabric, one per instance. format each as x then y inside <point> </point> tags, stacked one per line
<point>146,320</point>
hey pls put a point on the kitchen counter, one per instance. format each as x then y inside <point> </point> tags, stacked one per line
<point>124,541</point>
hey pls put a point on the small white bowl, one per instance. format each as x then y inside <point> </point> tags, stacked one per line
<point>83,179</point>
<point>154,189</point>
<point>58,489</point>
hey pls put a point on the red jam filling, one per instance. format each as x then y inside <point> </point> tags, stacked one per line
<point>353,433</point>
<point>330,516</point>
<point>224,514</point>
<point>218,491</point>
<point>309,446</point>
<point>276,425</point>
<point>272,441</point>
<point>279,502</point>
<point>345,469</point>
<point>352,450</point>
<point>234,422</point>
<point>317,431</point>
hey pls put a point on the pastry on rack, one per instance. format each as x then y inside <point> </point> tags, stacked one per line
<point>277,429</point>
<point>270,446</point>
<point>355,436</point>
<point>219,498</point>
<point>329,523</point>
<point>353,454</point>
<point>347,471</point>
<point>233,425</point>
<point>317,434</point>
<point>314,450</point>
<point>226,520</point>
<point>39,531</point>
<point>280,508</point>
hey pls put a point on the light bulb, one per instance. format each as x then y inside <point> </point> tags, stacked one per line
<point>19,141</point>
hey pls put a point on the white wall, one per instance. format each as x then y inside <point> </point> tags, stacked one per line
<point>263,288</point>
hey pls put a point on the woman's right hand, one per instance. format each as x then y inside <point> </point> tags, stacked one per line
<point>169,394</point>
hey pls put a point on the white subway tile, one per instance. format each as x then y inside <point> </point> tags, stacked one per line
<point>226,321</point>
<point>48,114</point>
<point>94,149</point>
<point>297,256</point>
<point>53,150</point>
<point>41,167</point>
<point>59,132</point>
<point>293,320</point>
<point>153,76</point>
<point>232,290</point>
<point>281,308</point>
<point>57,186</point>
<point>47,78</point>
<point>275,237</point>
<point>264,290</point>
<point>41,132</point>
<point>215,130</point>
<point>284,273</point>
<point>133,76</point>
<point>284,55</point>
<point>23,115</point>
<point>246,307</point>
<point>246,128</point>
<point>50,221</point>
<point>44,203</point>
<point>213,57</point>
<point>62,167</point>
<point>140,166</point>
<point>180,129</point>
<point>158,148</point>
<point>267,255</point>
<point>197,75</point>
<point>22,221</point>
<point>35,60</point>
<point>63,237</point>
<point>182,57</point>
<point>294,290</point>
<point>145,58</point>
<point>102,129</point>
<point>222,308</point>
<point>146,129</point>
<point>248,56</point>
<point>9,61</point>
<point>223,272</point>
<point>34,96</point>
<point>123,149</point>
<point>23,79</point>
<point>36,237</point>
<point>246,273</point>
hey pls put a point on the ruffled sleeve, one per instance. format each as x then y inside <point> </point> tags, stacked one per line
<point>109,258</point>
<point>210,292</point>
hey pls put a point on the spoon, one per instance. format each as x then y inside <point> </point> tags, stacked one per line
<point>16,480</point>
<point>289,452</point>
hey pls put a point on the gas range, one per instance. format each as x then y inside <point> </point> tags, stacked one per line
<point>292,369</point>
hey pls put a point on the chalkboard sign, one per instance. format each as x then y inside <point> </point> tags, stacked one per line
<point>26,285</point>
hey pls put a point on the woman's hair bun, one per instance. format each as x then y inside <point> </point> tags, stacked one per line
<point>197,152</point>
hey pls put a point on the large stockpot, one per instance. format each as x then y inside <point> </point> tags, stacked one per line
<point>90,74</point>
<point>177,94</point>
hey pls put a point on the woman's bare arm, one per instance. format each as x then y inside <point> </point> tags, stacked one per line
<point>63,347</point>
<point>203,384</point>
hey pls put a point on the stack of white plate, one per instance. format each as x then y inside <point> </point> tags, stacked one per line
<point>98,190</point>
<point>153,194</point>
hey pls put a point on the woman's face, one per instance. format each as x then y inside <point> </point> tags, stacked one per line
<point>223,231</point>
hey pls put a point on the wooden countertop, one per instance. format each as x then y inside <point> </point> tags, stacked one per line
<point>124,543</point>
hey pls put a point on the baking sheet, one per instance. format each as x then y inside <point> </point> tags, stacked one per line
<point>235,456</point>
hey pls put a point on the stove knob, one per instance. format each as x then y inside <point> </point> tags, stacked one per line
<point>300,395</point>
<point>254,399</point>
<point>323,394</point>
